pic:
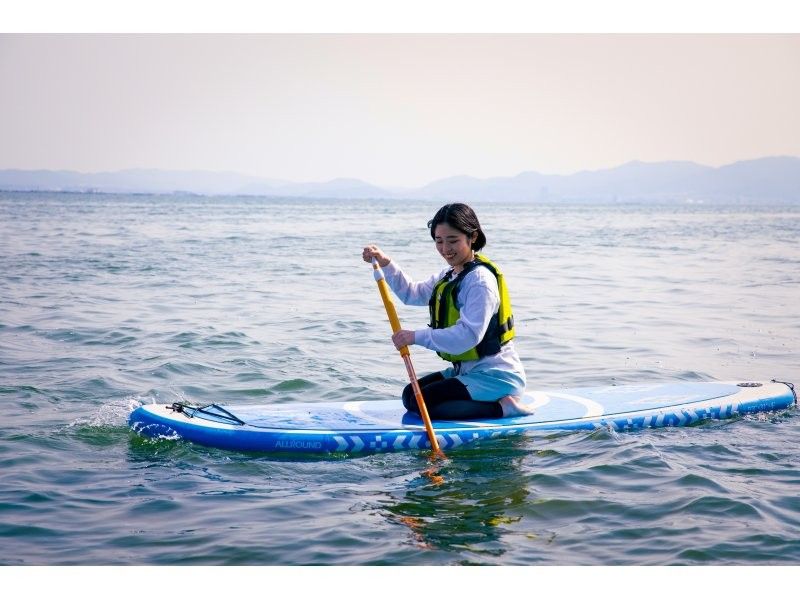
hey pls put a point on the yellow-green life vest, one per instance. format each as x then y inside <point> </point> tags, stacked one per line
<point>445,313</point>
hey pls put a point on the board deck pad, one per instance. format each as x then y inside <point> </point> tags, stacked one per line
<point>374,426</point>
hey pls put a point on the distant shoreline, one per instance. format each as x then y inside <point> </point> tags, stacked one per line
<point>719,201</point>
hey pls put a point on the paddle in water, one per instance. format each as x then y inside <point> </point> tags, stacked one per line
<point>406,354</point>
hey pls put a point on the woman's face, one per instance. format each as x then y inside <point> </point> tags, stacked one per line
<point>453,245</point>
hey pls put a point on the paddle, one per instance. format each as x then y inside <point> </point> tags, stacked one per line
<point>406,354</point>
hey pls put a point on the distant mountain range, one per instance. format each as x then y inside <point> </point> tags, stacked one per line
<point>764,179</point>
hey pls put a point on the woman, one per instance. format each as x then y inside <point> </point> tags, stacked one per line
<point>471,324</point>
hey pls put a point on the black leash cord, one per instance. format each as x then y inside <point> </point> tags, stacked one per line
<point>218,412</point>
<point>791,387</point>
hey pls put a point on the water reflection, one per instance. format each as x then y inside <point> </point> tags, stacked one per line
<point>482,490</point>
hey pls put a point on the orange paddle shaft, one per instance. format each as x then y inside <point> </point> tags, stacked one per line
<point>406,354</point>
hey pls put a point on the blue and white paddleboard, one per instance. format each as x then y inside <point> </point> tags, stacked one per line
<point>374,426</point>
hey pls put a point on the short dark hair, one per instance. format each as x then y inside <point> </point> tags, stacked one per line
<point>461,217</point>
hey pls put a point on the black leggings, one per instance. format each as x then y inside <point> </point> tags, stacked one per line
<point>448,398</point>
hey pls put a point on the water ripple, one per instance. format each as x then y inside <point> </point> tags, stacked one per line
<point>108,302</point>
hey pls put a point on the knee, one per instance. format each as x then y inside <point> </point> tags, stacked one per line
<point>409,400</point>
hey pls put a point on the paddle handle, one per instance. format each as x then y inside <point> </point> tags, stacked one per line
<point>388,304</point>
<point>391,311</point>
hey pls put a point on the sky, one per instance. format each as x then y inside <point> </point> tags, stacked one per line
<point>395,110</point>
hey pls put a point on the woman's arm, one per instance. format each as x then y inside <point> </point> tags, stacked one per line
<point>407,290</point>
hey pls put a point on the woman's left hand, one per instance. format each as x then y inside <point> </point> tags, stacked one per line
<point>403,338</point>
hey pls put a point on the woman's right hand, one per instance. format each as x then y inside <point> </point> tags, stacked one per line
<point>373,251</point>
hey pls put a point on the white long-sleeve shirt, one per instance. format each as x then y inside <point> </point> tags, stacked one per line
<point>478,300</point>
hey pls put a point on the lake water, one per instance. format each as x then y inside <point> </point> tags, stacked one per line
<point>107,302</point>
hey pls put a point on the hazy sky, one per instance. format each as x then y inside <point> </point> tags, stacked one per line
<point>394,110</point>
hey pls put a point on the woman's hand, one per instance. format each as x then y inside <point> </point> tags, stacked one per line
<point>373,251</point>
<point>403,338</point>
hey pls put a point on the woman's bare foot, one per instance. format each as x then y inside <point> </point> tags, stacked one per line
<point>512,407</point>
